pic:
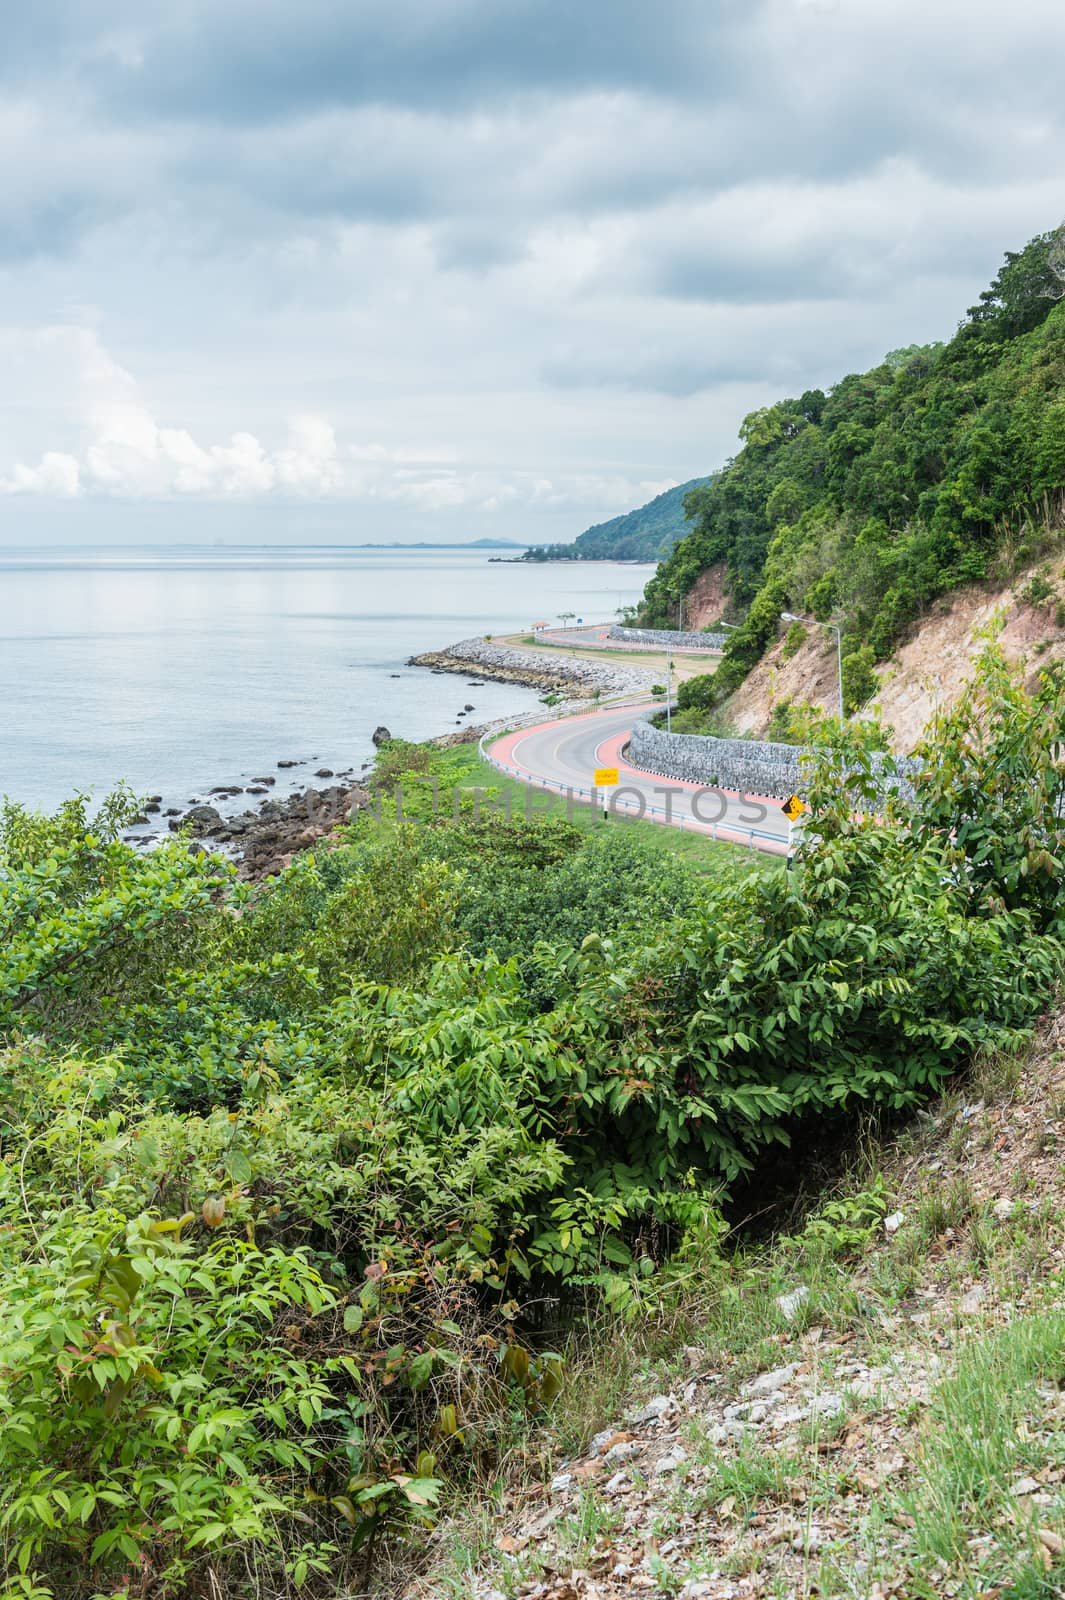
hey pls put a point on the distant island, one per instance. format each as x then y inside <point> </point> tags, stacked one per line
<point>645,534</point>
<point>432,544</point>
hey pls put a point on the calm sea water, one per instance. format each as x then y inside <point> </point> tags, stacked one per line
<point>180,669</point>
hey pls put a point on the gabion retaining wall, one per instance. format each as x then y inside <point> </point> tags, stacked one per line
<point>746,766</point>
<point>663,636</point>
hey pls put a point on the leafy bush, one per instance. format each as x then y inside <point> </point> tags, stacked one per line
<point>153,1409</point>
<point>794,640</point>
<point>993,783</point>
<point>1038,590</point>
<point>860,681</point>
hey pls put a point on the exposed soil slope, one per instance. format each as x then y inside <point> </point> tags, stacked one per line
<point>930,669</point>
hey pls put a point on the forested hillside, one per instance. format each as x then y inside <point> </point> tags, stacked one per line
<point>942,466</point>
<point>640,535</point>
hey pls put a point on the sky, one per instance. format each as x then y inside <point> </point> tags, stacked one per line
<point>455,269</point>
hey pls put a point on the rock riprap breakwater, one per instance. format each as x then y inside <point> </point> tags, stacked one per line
<point>572,676</point>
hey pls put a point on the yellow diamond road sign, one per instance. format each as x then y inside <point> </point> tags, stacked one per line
<point>793,808</point>
<point>605,776</point>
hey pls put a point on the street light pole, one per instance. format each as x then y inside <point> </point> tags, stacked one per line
<point>788,616</point>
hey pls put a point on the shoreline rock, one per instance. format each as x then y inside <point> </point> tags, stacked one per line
<point>264,840</point>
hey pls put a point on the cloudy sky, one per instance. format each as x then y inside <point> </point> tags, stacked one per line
<point>345,269</point>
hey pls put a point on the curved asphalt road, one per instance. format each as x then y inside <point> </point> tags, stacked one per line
<point>562,756</point>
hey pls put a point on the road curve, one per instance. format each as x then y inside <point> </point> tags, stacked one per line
<point>562,755</point>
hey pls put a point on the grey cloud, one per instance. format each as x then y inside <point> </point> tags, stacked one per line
<point>545,237</point>
<point>485,115</point>
<point>257,60</point>
<point>676,375</point>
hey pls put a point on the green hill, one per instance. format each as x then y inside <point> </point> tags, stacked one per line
<point>942,466</point>
<point>641,535</point>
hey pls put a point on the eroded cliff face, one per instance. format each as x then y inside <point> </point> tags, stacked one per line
<point>929,670</point>
<point>707,601</point>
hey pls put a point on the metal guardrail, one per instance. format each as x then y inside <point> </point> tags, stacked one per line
<point>714,830</point>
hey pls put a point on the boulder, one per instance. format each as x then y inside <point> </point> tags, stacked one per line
<point>202,821</point>
<point>380,736</point>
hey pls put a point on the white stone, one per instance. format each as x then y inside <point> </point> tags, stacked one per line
<point>826,1405</point>
<point>624,1451</point>
<point>562,1481</point>
<point>790,1304</point>
<point>767,1381</point>
<point>893,1223</point>
<point>655,1409</point>
<point>973,1300</point>
<point>784,1419</point>
<point>669,1463</point>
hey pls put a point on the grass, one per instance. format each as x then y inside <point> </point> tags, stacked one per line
<point>995,1420</point>
<point>752,1477</point>
<point>709,859</point>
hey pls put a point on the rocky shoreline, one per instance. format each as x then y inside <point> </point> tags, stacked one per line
<point>263,839</point>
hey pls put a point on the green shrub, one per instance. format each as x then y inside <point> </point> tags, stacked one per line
<point>1038,590</point>
<point>153,1411</point>
<point>794,640</point>
<point>860,681</point>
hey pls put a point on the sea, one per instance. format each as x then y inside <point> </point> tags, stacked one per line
<point>181,669</point>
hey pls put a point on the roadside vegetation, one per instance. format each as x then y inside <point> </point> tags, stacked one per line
<point>316,1196</point>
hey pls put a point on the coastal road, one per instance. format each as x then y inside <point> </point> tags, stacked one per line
<point>561,757</point>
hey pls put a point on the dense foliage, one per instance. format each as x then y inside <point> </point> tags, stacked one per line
<point>641,535</point>
<point>296,1181</point>
<point>942,466</point>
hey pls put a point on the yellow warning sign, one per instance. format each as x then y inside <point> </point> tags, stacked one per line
<point>605,776</point>
<point>793,808</point>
